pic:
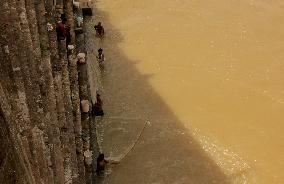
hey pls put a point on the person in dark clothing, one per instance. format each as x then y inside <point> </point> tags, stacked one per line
<point>99,29</point>
<point>68,34</point>
<point>101,164</point>
<point>97,109</point>
<point>100,56</point>
<point>62,16</point>
<point>63,30</point>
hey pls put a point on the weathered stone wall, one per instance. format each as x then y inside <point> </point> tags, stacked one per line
<point>43,134</point>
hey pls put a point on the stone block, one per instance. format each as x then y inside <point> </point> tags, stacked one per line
<point>85,106</point>
<point>81,58</point>
<point>70,47</point>
<point>88,157</point>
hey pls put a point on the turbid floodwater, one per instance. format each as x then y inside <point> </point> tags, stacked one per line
<point>201,70</point>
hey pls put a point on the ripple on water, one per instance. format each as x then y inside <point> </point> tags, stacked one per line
<point>237,170</point>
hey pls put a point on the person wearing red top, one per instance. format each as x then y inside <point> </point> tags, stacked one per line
<point>63,30</point>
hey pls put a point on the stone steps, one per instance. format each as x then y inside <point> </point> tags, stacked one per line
<point>40,85</point>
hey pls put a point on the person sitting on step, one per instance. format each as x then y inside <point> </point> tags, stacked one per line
<point>101,164</point>
<point>97,109</point>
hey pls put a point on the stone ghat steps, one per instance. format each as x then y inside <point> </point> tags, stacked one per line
<point>40,93</point>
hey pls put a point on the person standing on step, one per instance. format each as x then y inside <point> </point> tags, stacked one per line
<point>100,56</point>
<point>63,30</point>
<point>99,30</point>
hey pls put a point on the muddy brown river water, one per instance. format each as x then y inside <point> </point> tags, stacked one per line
<point>218,66</point>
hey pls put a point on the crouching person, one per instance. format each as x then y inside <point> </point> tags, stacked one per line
<point>101,164</point>
<point>97,108</point>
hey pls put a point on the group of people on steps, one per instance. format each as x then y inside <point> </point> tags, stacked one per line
<point>63,32</point>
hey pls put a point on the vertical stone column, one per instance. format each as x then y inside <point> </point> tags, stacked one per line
<point>28,65</point>
<point>68,10</point>
<point>84,95</point>
<point>72,59</point>
<point>49,98</point>
<point>50,42</point>
<point>76,112</point>
<point>19,44</point>
<point>40,137</point>
<point>67,130</point>
<point>14,166</point>
<point>71,162</point>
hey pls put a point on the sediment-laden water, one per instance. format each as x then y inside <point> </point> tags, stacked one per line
<point>216,66</point>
